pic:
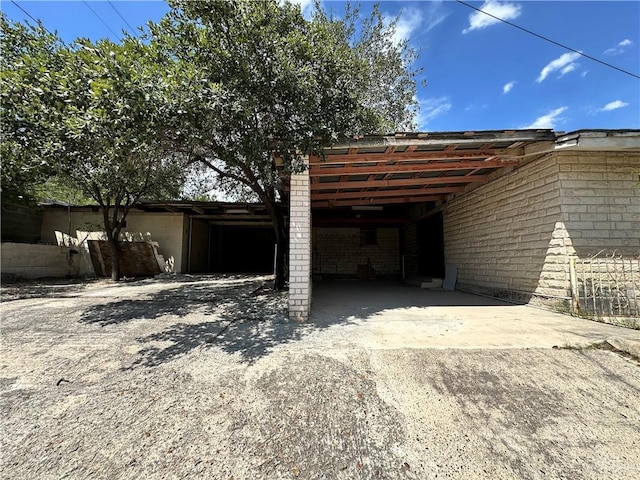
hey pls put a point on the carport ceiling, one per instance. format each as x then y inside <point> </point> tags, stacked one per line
<point>415,167</point>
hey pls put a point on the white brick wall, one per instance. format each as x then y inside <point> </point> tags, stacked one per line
<point>338,251</point>
<point>299,247</point>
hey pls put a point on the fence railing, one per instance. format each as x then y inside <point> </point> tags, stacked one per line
<point>606,285</point>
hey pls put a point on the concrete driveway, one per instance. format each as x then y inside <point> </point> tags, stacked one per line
<point>204,377</point>
<point>392,315</point>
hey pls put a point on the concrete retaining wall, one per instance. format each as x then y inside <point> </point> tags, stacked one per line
<point>25,260</point>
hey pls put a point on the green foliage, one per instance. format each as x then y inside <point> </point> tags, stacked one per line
<point>88,113</point>
<point>27,55</point>
<point>219,84</point>
<point>253,77</point>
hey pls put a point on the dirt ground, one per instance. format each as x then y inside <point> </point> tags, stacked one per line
<point>205,377</point>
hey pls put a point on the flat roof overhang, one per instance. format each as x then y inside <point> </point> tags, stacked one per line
<point>217,213</point>
<point>416,167</point>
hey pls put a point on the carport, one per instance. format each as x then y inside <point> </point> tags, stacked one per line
<point>371,207</point>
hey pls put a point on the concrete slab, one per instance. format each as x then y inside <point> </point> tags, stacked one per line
<point>392,315</point>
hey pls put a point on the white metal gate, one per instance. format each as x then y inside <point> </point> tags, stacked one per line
<point>606,285</point>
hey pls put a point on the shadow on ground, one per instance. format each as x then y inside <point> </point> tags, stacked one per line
<point>242,315</point>
<point>43,288</point>
<point>237,315</point>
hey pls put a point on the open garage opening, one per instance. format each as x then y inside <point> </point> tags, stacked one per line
<point>382,242</point>
<point>219,248</point>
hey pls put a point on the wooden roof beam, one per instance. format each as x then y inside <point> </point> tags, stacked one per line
<point>416,156</point>
<point>407,192</point>
<point>399,182</point>
<point>374,169</point>
<point>380,201</point>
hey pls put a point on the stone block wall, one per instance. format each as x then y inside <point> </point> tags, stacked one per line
<point>339,252</point>
<point>25,260</point>
<point>299,247</point>
<point>507,237</point>
<point>514,237</point>
<point>601,201</point>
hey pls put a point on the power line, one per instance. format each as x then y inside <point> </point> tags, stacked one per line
<point>32,18</point>
<point>100,18</point>
<point>133,30</point>
<point>550,41</point>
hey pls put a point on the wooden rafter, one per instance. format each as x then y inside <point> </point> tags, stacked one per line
<point>376,201</point>
<point>399,182</point>
<point>318,171</point>
<point>406,192</point>
<point>415,156</point>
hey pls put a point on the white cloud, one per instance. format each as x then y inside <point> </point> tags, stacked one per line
<point>410,20</point>
<point>569,68</point>
<point>507,88</point>
<point>431,108</point>
<point>549,120</point>
<point>561,63</point>
<point>503,10</point>
<point>435,15</point>
<point>619,48</point>
<point>614,105</point>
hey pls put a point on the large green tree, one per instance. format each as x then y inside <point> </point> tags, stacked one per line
<point>254,79</point>
<point>26,53</point>
<point>91,114</point>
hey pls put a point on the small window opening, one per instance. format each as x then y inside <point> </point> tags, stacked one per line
<point>368,236</point>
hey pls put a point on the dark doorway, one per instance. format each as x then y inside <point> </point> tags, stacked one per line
<point>431,246</point>
<point>240,249</point>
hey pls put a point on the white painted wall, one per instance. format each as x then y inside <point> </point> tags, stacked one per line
<point>27,260</point>
<point>169,230</point>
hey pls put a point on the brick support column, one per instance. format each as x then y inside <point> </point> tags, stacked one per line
<point>300,247</point>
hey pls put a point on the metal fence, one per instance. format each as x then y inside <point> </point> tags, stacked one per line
<point>606,285</point>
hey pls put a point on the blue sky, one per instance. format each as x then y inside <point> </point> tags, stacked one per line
<point>481,74</point>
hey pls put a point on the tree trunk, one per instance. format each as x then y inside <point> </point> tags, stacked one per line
<point>282,246</point>
<point>113,234</point>
<point>282,243</point>
<point>115,259</point>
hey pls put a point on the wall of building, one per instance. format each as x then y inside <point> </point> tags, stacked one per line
<point>601,201</point>
<point>169,230</point>
<point>339,252</point>
<point>507,237</point>
<point>514,237</point>
<point>20,223</point>
<point>25,260</point>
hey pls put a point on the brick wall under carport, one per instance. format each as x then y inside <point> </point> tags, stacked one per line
<point>514,236</point>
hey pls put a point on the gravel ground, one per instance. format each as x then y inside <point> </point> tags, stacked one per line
<point>204,377</point>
